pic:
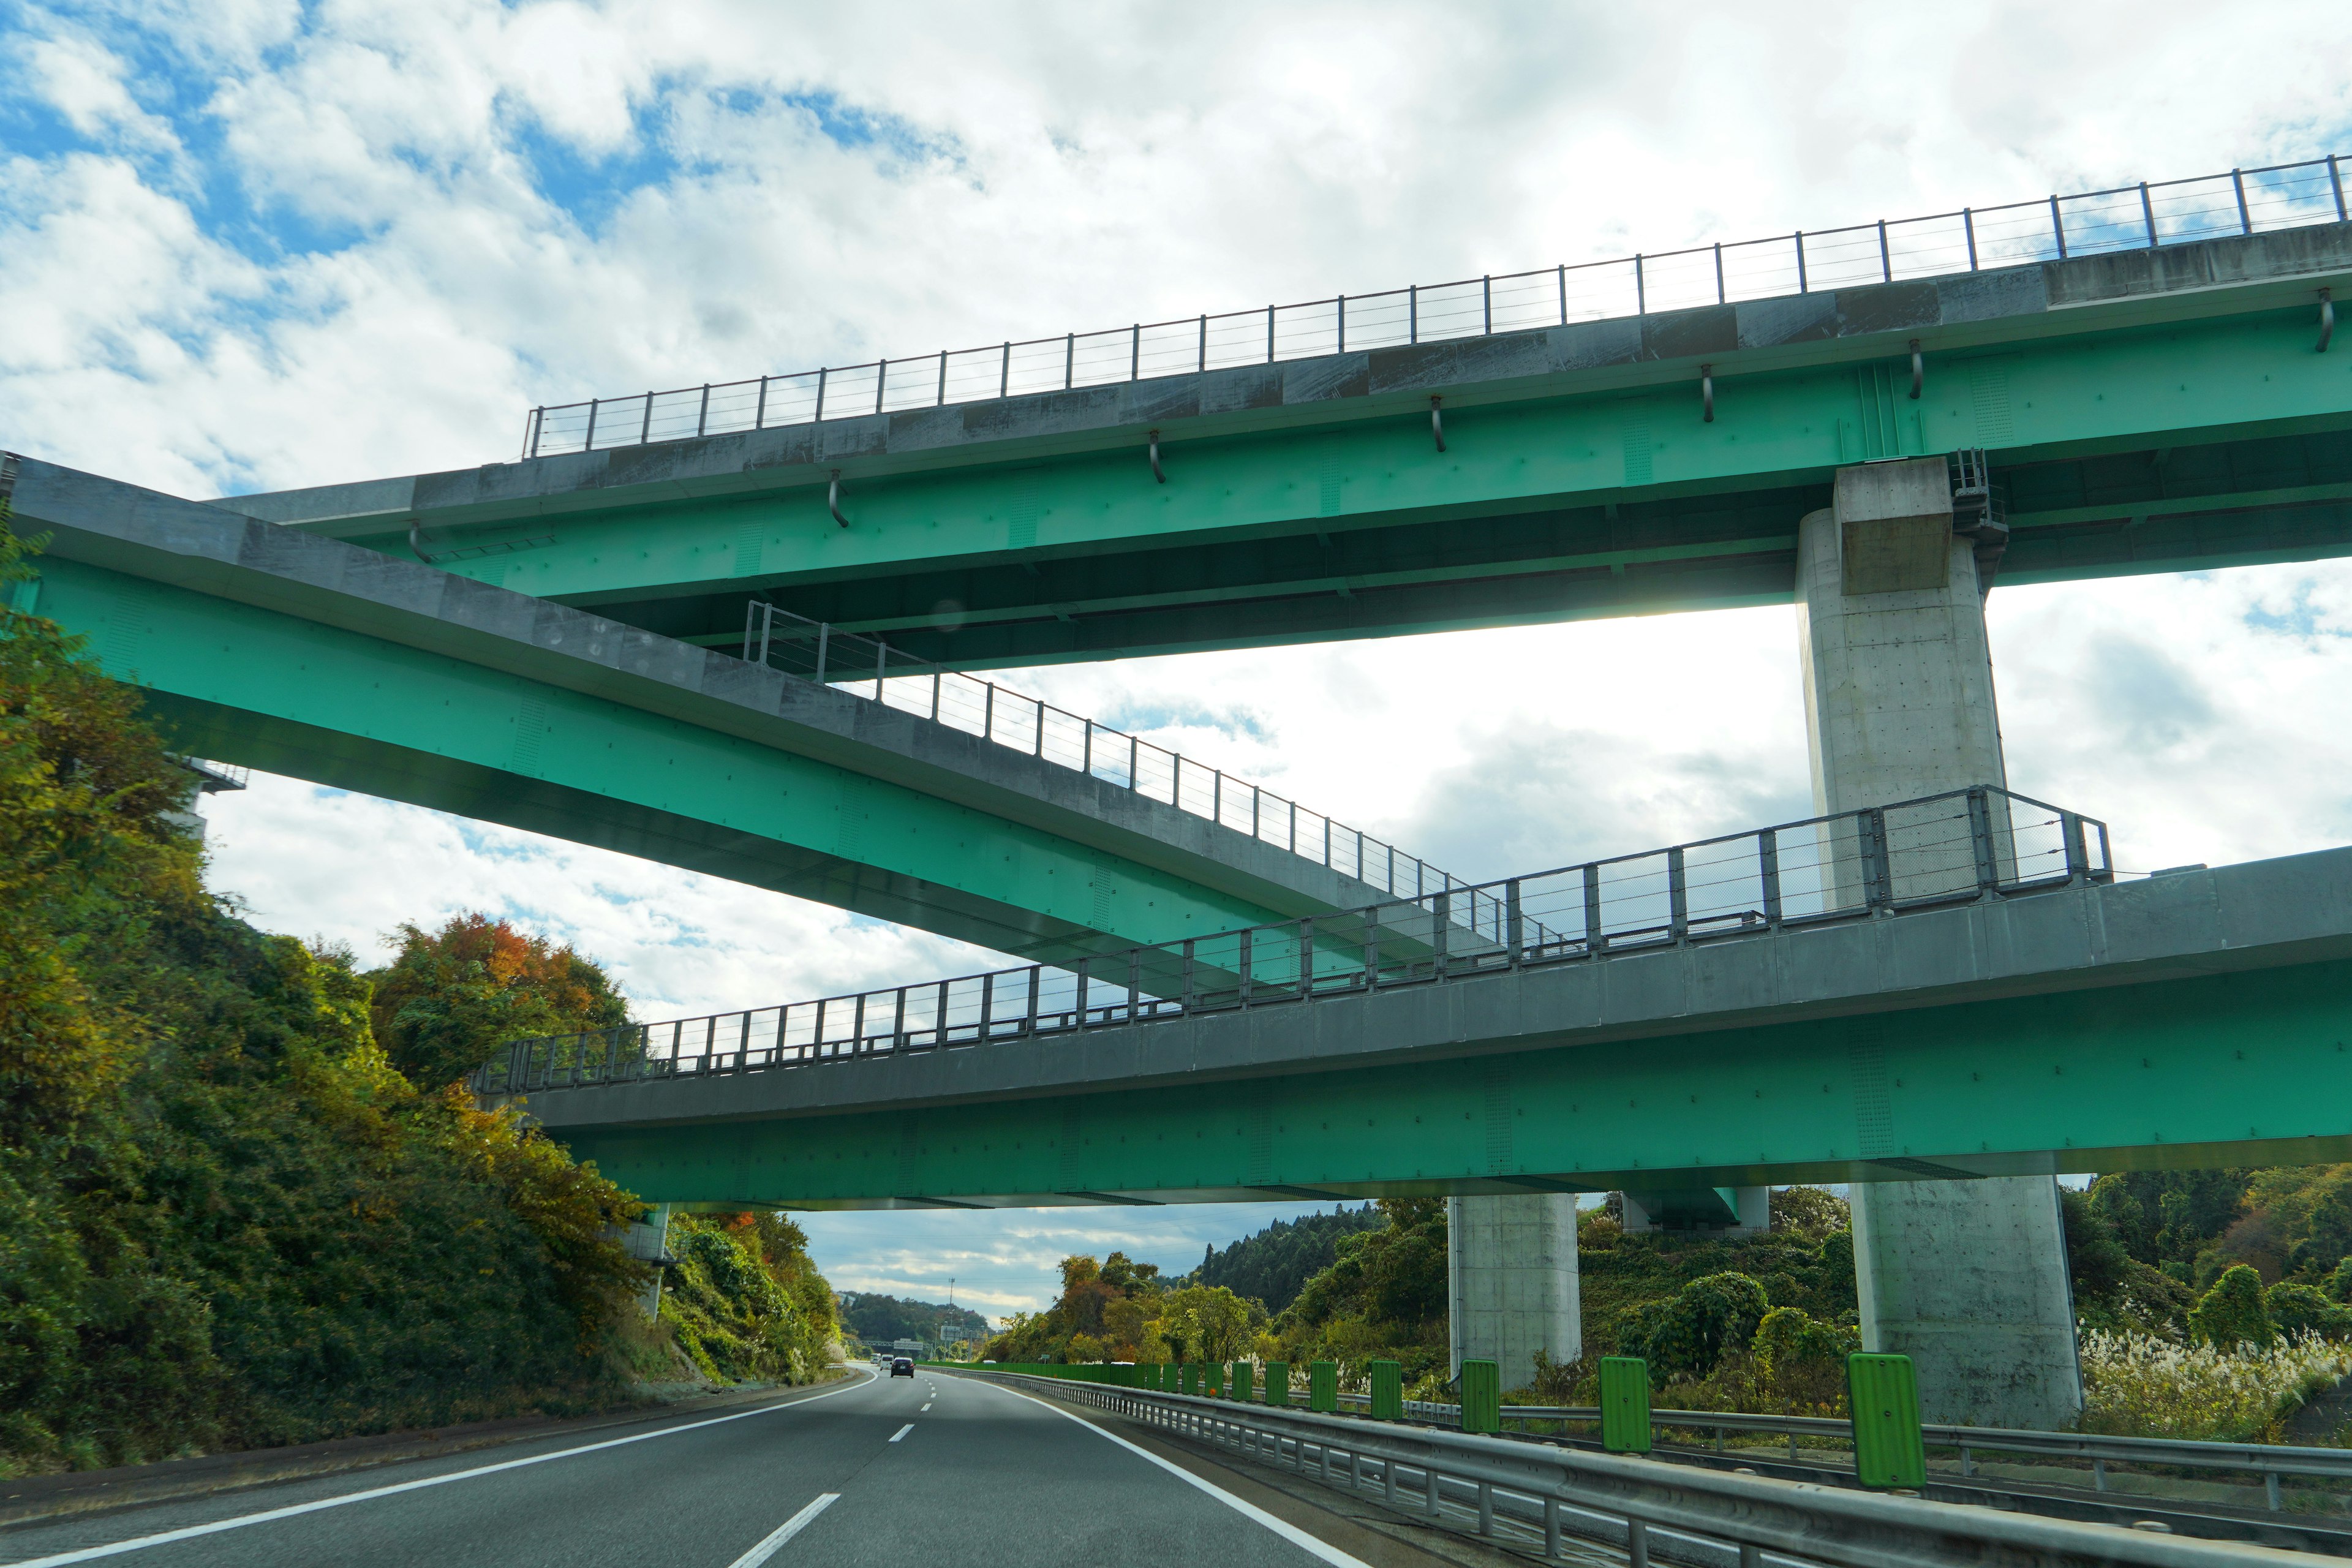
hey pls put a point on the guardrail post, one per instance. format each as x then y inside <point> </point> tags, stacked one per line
<point>1624,1404</point>
<point>1595,939</point>
<point>1513,930</point>
<point>1481,1396</point>
<point>1677,896</point>
<point>2078,858</point>
<point>1980,841</point>
<point>1245,946</point>
<point>1036,978</point>
<point>1443,906</point>
<point>1323,1386</point>
<point>1768,872</point>
<point>1883,1392</point>
<point>1877,879</point>
<point>1388,1390</point>
<point>1186,1000</point>
<point>1307,958</point>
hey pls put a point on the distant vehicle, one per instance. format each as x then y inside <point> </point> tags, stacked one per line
<point>902,1367</point>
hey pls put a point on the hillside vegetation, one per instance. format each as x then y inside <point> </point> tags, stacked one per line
<point>231,1220</point>
<point>1272,1266</point>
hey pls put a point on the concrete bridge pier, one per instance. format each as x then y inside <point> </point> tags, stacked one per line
<point>1511,1289</point>
<point>1966,1277</point>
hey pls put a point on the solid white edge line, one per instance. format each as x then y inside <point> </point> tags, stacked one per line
<point>902,1431</point>
<point>1288,1532</point>
<point>785,1532</point>
<point>91,1554</point>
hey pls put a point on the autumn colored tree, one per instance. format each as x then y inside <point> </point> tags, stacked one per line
<point>451,997</point>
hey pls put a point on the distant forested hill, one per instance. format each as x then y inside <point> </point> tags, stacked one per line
<point>1272,1265</point>
<point>878,1319</point>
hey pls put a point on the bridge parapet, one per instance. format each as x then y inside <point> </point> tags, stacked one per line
<point>1983,843</point>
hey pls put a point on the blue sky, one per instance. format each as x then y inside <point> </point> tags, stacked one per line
<point>253,243</point>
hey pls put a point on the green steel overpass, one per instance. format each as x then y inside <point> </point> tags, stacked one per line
<point>2149,409</point>
<point>2055,1022</point>
<point>564,657</point>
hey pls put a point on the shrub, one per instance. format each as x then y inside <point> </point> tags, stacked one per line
<point>1685,1334</point>
<point>2296,1311</point>
<point>2232,1313</point>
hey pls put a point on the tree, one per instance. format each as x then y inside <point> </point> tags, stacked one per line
<point>1686,1334</point>
<point>451,997</point>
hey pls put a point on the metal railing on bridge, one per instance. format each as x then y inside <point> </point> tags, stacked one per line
<point>869,666</point>
<point>2143,216</point>
<point>1963,845</point>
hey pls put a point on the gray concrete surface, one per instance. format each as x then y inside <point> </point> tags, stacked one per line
<point>1968,1279</point>
<point>983,1477</point>
<point>1511,1282</point>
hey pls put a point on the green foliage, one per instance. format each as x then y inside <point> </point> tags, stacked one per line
<point>227,1221</point>
<point>1383,1296</point>
<point>1685,1334</point>
<point>742,1302</point>
<point>2233,1313</point>
<point>878,1319</point>
<point>1274,1265</point>
<point>450,999</point>
<point>2297,1311</point>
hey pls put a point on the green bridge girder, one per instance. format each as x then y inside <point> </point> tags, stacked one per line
<point>2225,1070</point>
<point>2197,1019</point>
<point>323,661</point>
<point>2151,411</point>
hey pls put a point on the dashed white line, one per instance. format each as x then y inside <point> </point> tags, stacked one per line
<point>925,1410</point>
<point>902,1431</point>
<point>785,1532</point>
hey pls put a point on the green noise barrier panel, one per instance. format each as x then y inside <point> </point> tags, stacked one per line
<point>1278,1382</point>
<point>1388,1390</point>
<point>1624,1404</point>
<point>1481,1396</point>
<point>1323,1385</point>
<point>1244,1381</point>
<point>1884,1394</point>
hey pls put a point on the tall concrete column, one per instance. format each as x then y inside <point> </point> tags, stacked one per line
<point>1510,1269</point>
<point>1968,1279</point>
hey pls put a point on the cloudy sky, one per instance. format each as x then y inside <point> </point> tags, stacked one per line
<point>251,244</point>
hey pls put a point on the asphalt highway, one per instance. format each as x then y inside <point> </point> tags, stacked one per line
<point>878,1470</point>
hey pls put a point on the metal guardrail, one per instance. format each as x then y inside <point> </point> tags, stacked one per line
<point>2268,1461</point>
<point>1534,1497</point>
<point>1960,846</point>
<point>869,666</point>
<point>2144,216</point>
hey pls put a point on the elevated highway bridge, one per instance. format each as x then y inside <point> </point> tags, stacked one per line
<point>567,643</point>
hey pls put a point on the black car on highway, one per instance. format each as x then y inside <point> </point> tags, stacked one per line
<point>902,1367</point>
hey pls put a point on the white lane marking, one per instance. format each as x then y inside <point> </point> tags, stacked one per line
<point>1288,1532</point>
<point>89,1553</point>
<point>785,1532</point>
<point>902,1431</point>
<point>925,1409</point>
